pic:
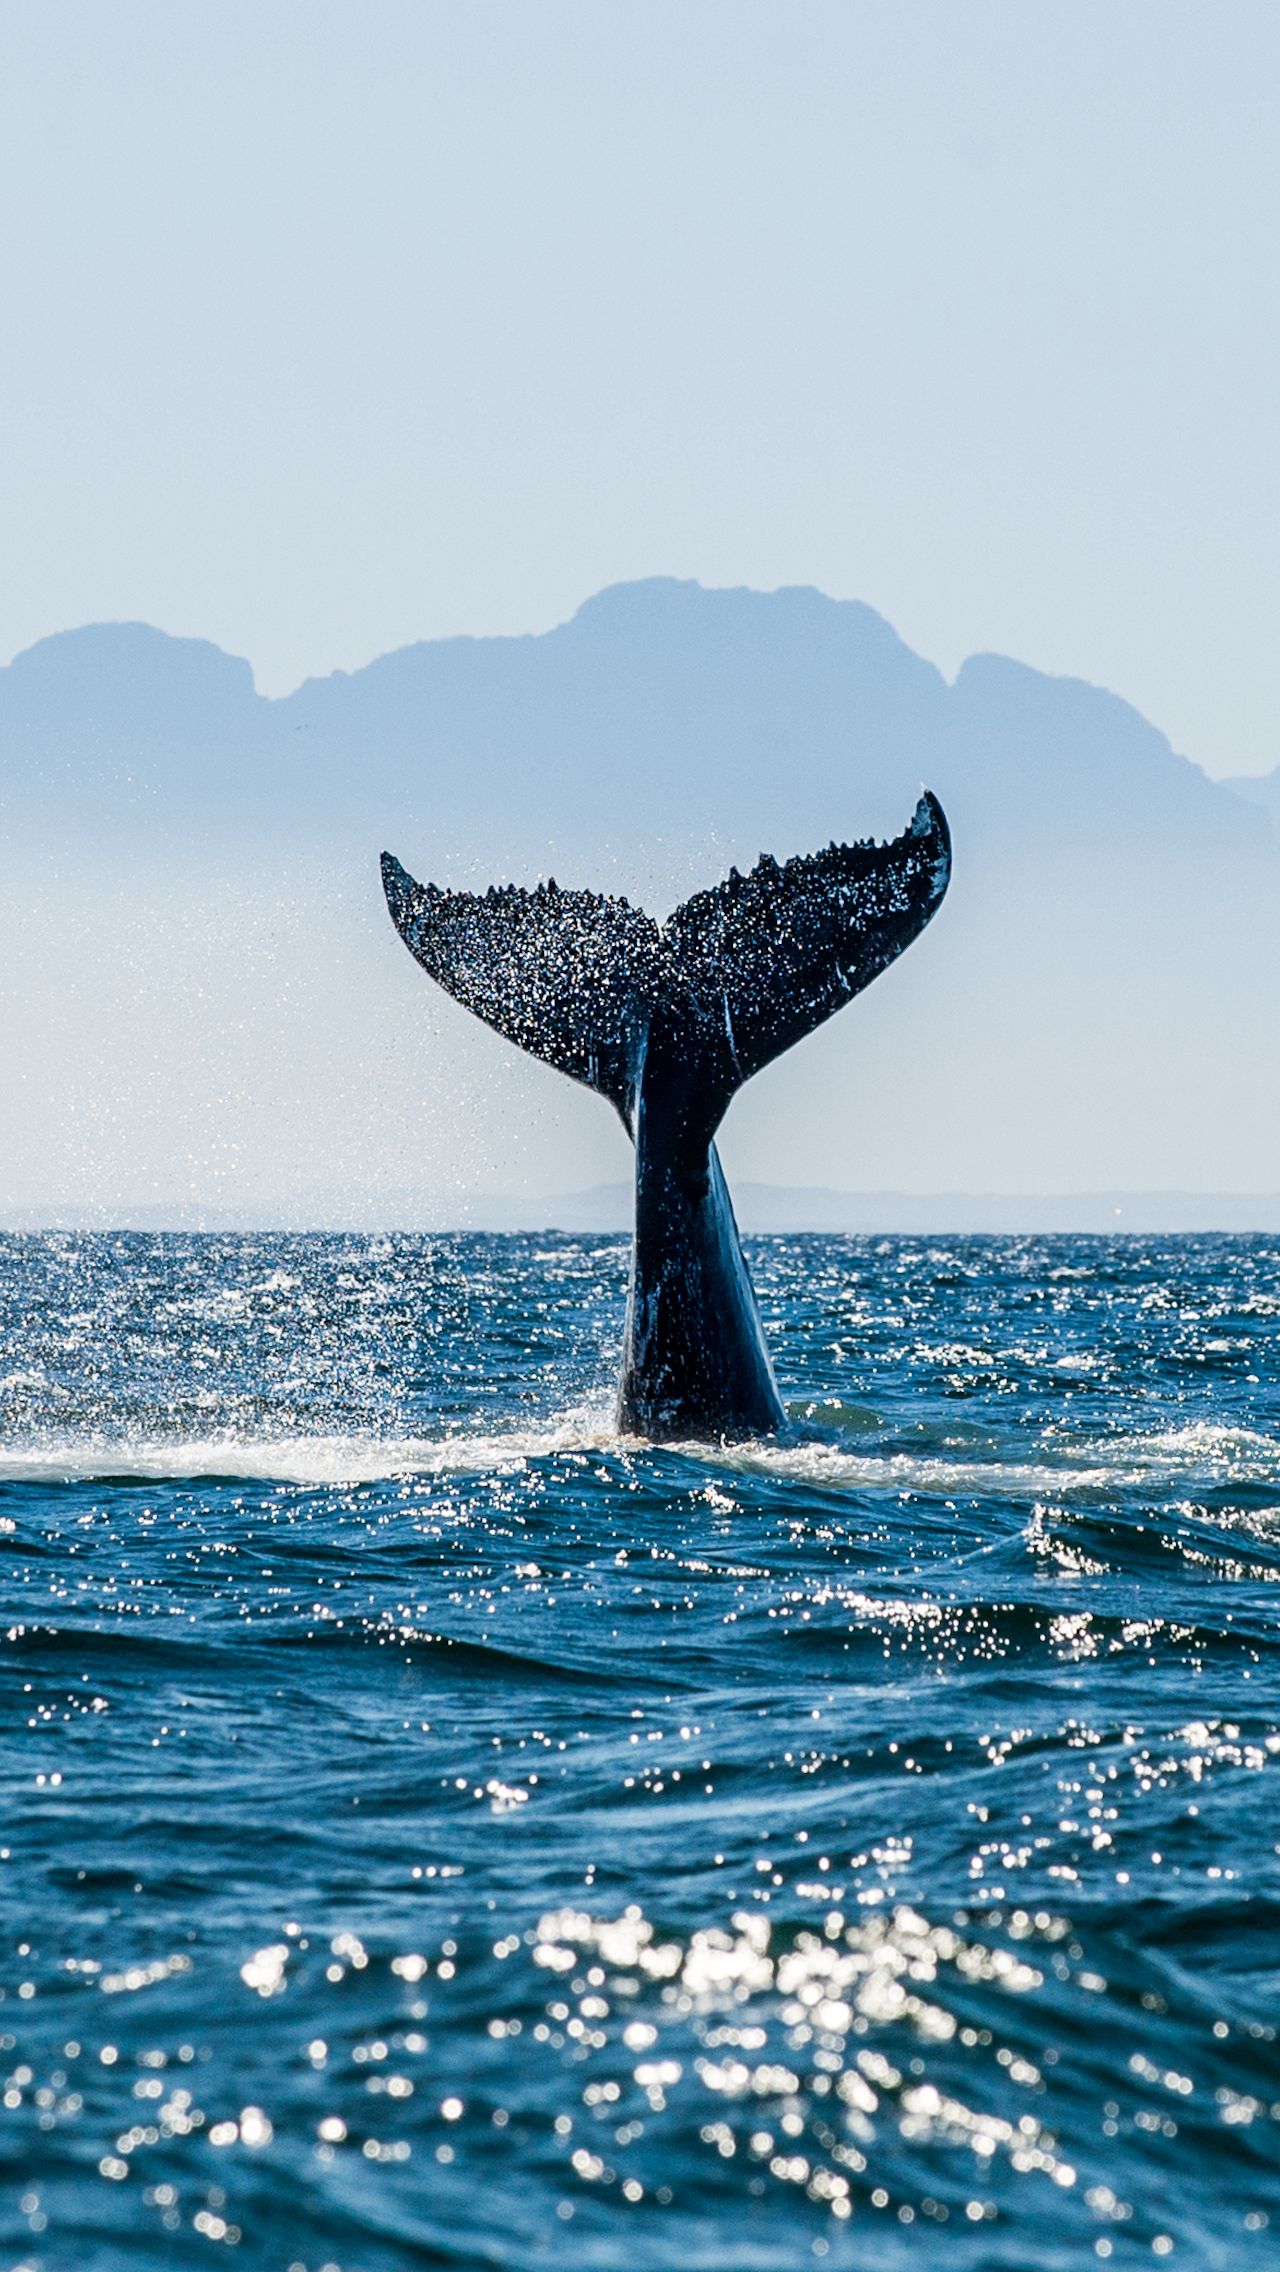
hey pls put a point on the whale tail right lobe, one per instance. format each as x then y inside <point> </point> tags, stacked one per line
<point>731,979</point>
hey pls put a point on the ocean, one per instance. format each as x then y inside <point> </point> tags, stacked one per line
<point>439,1833</point>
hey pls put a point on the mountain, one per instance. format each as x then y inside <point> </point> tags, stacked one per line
<point>204,1000</point>
<point>661,715</point>
<point>1261,789</point>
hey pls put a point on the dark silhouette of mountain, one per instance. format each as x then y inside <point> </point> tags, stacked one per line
<point>191,905</point>
<point>661,713</point>
<point>124,680</point>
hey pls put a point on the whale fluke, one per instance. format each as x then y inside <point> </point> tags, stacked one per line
<point>740,972</point>
<point>667,1021</point>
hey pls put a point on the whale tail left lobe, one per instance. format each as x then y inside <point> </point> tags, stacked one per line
<point>729,981</point>
<point>563,974</point>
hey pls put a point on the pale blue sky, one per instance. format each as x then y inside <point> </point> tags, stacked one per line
<point>324,327</point>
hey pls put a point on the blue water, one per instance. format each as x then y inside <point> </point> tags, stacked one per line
<point>437,1833</point>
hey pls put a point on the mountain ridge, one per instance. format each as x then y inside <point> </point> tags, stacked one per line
<point>204,997</point>
<point>790,696</point>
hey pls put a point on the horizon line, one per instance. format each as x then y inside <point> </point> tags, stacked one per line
<point>605,1210</point>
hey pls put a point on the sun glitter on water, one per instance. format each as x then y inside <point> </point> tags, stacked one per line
<point>438,1829</point>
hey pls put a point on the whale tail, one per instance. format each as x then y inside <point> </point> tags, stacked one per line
<point>731,979</point>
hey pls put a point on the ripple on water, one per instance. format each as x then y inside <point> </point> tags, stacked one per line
<point>437,1831</point>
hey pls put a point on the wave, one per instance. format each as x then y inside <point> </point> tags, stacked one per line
<point>1120,1464</point>
<point>317,1462</point>
<point>351,1459</point>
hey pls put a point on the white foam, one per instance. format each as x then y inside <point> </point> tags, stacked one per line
<point>828,1468</point>
<point>1170,1456</point>
<point>308,1460</point>
<point>1119,1463</point>
<point>1206,1439</point>
<point>343,1460</point>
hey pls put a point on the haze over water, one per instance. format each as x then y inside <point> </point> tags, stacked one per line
<point>437,1832</point>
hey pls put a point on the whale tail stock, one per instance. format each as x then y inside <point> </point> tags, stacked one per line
<point>596,988</point>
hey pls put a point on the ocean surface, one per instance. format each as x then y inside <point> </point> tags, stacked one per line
<point>437,1833</point>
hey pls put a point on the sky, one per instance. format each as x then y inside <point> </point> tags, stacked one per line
<point>324,328</point>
